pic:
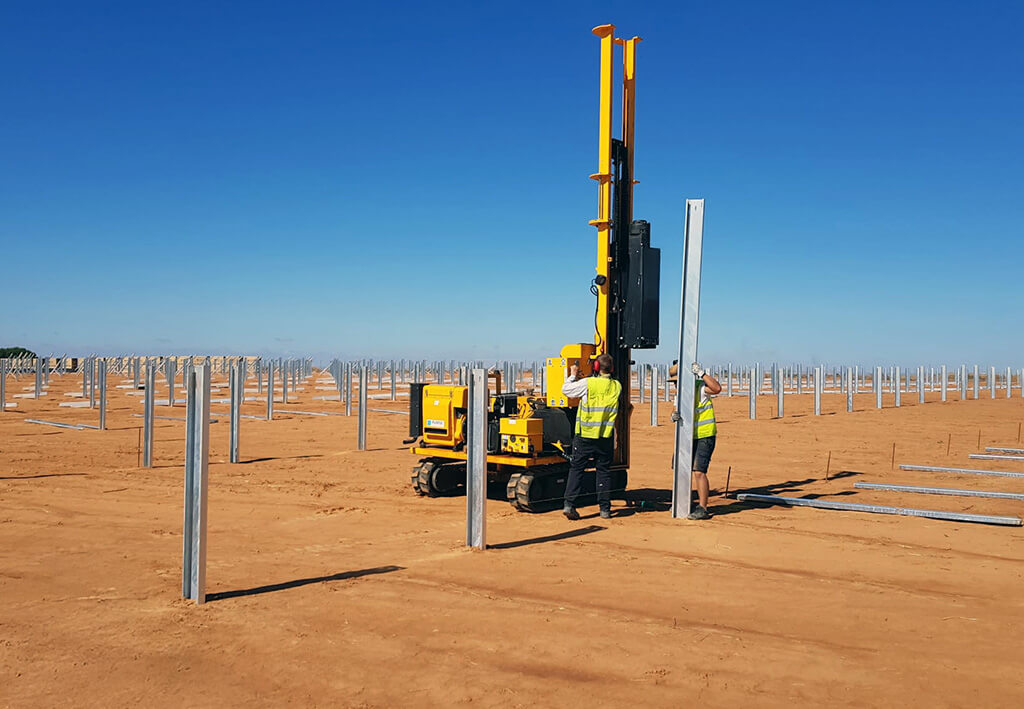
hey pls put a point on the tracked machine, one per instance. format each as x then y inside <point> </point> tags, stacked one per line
<point>530,433</point>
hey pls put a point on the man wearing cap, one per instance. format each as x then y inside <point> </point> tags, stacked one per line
<point>705,433</point>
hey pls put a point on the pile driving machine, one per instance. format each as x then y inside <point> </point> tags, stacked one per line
<point>530,434</point>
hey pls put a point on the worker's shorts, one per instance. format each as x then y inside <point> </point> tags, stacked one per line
<point>702,450</point>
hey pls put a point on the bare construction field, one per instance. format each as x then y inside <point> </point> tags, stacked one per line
<point>333,584</point>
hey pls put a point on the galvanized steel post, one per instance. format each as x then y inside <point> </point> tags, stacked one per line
<point>476,460</point>
<point>751,394</point>
<point>197,454</point>
<point>878,387</point>
<point>920,385</point>
<point>689,320</point>
<point>897,385</point>
<point>236,383</point>
<point>103,393</point>
<point>3,384</point>
<point>977,384</point>
<point>849,389</point>
<point>992,382</point>
<point>362,408</point>
<point>819,387</point>
<point>147,416</point>
<point>270,391</point>
<point>654,395</point>
<point>780,384</point>
<point>39,377</point>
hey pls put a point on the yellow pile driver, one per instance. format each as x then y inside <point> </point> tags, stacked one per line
<point>530,434</point>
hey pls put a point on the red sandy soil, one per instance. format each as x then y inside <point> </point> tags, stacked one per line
<point>340,587</point>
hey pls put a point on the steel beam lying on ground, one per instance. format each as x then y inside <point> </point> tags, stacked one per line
<point>986,456</point>
<point>75,426</point>
<point>940,491</point>
<point>881,509</point>
<point>1004,450</point>
<point>972,471</point>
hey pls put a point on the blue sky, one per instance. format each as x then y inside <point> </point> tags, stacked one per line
<point>405,179</point>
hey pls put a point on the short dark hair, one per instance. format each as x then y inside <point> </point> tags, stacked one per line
<point>606,363</point>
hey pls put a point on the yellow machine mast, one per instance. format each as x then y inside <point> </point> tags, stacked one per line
<point>606,33</point>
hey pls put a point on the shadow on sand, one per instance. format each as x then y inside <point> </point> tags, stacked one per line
<point>221,595</point>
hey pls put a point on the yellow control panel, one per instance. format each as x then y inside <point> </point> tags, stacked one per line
<point>557,371</point>
<point>521,436</point>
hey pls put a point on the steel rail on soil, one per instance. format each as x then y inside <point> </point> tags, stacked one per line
<point>971,471</point>
<point>954,492</point>
<point>881,509</point>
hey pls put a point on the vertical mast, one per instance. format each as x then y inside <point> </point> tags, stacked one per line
<point>604,180</point>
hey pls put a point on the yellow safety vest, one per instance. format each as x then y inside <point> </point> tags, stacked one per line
<point>703,416</point>
<point>596,416</point>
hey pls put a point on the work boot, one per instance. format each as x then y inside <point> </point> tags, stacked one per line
<point>606,513</point>
<point>699,513</point>
<point>570,513</point>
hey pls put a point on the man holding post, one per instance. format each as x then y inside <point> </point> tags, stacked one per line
<point>705,433</point>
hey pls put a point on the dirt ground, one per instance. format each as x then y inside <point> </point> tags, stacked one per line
<point>333,584</point>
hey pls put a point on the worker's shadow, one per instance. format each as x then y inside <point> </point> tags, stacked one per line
<point>789,488</point>
<point>659,500</point>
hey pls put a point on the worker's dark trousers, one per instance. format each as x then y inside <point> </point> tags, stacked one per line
<point>583,451</point>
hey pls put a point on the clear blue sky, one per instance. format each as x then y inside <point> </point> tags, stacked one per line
<point>390,179</point>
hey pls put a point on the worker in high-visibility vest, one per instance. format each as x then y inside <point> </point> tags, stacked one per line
<point>595,432</point>
<point>705,433</point>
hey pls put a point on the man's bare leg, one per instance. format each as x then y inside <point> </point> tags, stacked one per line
<point>700,482</point>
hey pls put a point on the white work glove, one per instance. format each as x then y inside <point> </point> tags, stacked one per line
<point>697,371</point>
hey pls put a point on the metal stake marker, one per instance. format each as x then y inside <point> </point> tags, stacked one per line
<point>270,391</point>
<point>689,315</point>
<point>819,386</point>
<point>197,454</point>
<point>147,416</point>
<point>236,383</point>
<point>654,396</point>
<point>102,365</point>
<point>476,460</point>
<point>362,408</point>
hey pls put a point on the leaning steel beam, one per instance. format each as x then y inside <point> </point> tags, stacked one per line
<point>972,471</point>
<point>986,456</point>
<point>881,509</point>
<point>689,313</point>
<point>955,492</point>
